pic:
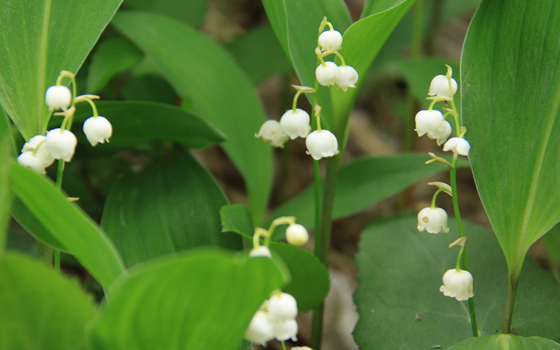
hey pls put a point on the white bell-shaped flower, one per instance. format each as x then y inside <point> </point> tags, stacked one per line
<point>272,132</point>
<point>260,252</point>
<point>61,144</point>
<point>58,97</point>
<point>282,306</point>
<point>296,123</point>
<point>32,161</point>
<point>330,40</point>
<point>440,86</point>
<point>321,143</point>
<point>260,329</point>
<point>428,122</point>
<point>442,133</point>
<point>458,145</point>
<point>97,130</point>
<point>433,220</point>
<point>457,284</point>
<point>327,73</point>
<point>297,234</point>
<point>37,144</point>
<point>286,329</point>
<point>348,77</point>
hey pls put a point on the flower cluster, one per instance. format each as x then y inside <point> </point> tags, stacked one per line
<point>276,318</point>
<point>296,234</point>
<point>60,143</point>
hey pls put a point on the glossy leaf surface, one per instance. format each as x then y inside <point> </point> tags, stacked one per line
<point>411,264</point>
<point>511,109</point>
<point>202,299</point>
<point>39,39</point>
<point>220,92</point>
<point>506,342</point>
<point>5,194</point>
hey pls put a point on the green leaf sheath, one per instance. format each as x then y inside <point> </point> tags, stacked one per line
<point>219,90</point>
<point>511,102</point>
<point>39,39</point>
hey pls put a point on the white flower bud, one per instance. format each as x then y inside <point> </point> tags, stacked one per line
<point>97,130</point>
<point>260,252</point>
<point>457,284</point>
<point>286,329</point>
<point>296,123</point>
<point>321,144</point>
<point>37,144</point>
<point>272,132</point>
<point>281,307</point>
<point>428,122</point>
<point>442,133</point>
<point>330,40</point>
<point>348,77</point>
<point>458,145</point>
<point>61,144</point>
<point>260,329</point>
<point>440,86</point>
<point>32,161</point>
<point>432,220</point>
<point>297,234</point>
<point>58,97</point>
<point>327,73</point>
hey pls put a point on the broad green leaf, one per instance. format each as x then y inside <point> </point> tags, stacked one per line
<point>203,299</point>
<point>310,279</point>
<point>172,205</point>
<point>110,57</point>
<point>506,342</point>
<point>511,112</point>
<point>219,91</point>
<point>40,308</point>
<point>362,183</point>
<point>191,12</point>
<point>372,7</point>
<point>5,194</point>
<point>134,122</point>
<point>6,128</point>
<point>146,83</point>
<point>400,271</point>
<point>552,243</point>
<point>259,53</point>
<point>39,39</point>
<point>237,219</point>
<point>62,224</point>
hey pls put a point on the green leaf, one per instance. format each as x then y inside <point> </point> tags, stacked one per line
<point>110,57</point>
<point>191,12</point>
<point>310,279</point>
<point>220,93</point>
<point>200,300</point>
<point>372,7</point>
<point>60,223</point>
<point>39,39</point>
<point>400,271</point>
<point>134,122</point>
<point>5,194</point>
<point>362,183</point>
<point>506,342</point>
<point>260,54</point>
<point>40,308</point>
<point>511,112</point>
<point>237,218</point>
<point>172,205</point>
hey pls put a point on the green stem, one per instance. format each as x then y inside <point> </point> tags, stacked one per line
<point>453,175</point>
<point>59,187</point>
<point>45,253</point>
<point>283,346</point>
<point>317,187</point>
<point>513,283</point>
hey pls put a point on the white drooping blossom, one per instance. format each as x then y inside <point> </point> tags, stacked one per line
<point>97,130</point>
<point>348,77</point>
<point>285,329</point>
<point>330,40</point>
<point>428,122</point>
<point>442,133</point>
<point>58,97</point>
<point>297,234</point>
<point>32,161</point>
<point>440,86</point>
<point>457,284</point>
<point>296,123</point>
<point>260,252</point>
<point>37,144</point>
<point>433,220</point>
<point>457,145</point>
<point>282,306</point>
<point>327,73</point>
<point>272,132</point>
<point>260,329</point>
<point>321,143</point>
<point>61,144</point>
